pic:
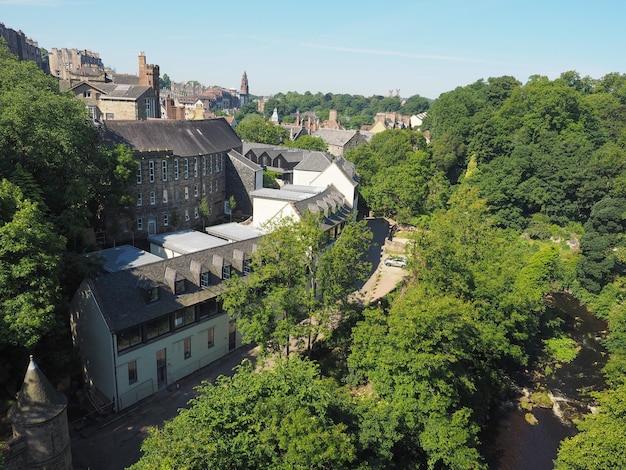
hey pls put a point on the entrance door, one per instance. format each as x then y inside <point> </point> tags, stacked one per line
<point>232,335</point>
<point>161,369</point>
<point>152,227</point>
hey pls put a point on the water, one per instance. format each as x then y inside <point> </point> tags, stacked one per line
<point>513,444</point>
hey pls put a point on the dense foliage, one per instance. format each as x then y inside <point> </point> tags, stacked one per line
<point>353,111</point>
<point>55,174</point>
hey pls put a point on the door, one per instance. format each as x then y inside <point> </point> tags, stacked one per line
<point>232,335</point>
<point>152,227</point>
<point>161,368</point>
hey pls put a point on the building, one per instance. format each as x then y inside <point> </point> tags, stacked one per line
<point>339,141</point>
<point>145,322</point>
<point>244,90</point>
<point>242,177</point>
<point>74,65</point>
<point>181,169</point>
<point>110,101</point>
<point>24,48</point>
<point>41,438</point>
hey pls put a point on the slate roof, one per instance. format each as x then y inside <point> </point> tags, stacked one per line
<point>185,138</point>
<point>38,401</point>
<point>314,161</point>
<point>115,90</point>
<point>122,300</point>
<point>335,136</point>
<point>243,160</point>
<point>186,241</point>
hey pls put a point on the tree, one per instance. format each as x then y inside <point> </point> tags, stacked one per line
<point>284,417</point>
<point>253,128</point>
<point>165,83</point>
<point>279,301</point>
<point>30,265</point>
<point>308,142</point>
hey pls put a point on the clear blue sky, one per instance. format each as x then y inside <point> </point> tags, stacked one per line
<point>357,47</point>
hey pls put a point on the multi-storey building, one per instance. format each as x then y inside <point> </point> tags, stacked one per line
<point>181,168</point>
<point>23,47</point>
<point>76,65</point>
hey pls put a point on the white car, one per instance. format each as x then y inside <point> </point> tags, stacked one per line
<point>396,261</point>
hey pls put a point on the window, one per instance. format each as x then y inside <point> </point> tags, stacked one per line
<point>176,169</point>
<point>186,168</point>
<point>247,266</point>
<point>153,294</point>
<point>184,317</point>
<point>211,337</point>
<point>166,220</point>
<point>158,327</point>
<point>179,287</point>
<point>211,186</point>
<point>128,338</point>
<point>226,271</point>
<point>195,167</point>
<point>186,193</point>
<point>187,215</point>
<point>165,196</point>
<point>109,116</point>
<point>203,166</point>
<point>204,189</point>
<point>164,169</point>
<point>196,213</point>
<point>139,223</point>
<point>132,372</point>
<point>195,190</point>
<point>205,309</point>
<point>139,199</point>
<point>151,170</point>
<point>152,198</point>
<point>205,279</point>
<point>150,107</point>
<point>139,174</point>
<point>216,189</point>
<point>211,164</point>
<point>187,347</point>
<point>87,94</point>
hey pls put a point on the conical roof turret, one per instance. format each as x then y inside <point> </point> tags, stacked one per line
<point>37,400</point>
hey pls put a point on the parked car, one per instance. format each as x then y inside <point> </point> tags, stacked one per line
<point>396,261</point>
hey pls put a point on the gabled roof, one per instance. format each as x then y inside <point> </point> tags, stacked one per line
<point>38,401</point>
<point>314,161</point>
<point>122,300</point>
<point>243,160</point>
<point>115,90</point>
<point>335,136</point>
<point>186,241</point>
<point>185,138</point>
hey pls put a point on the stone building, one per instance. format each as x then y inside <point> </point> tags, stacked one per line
<point>24,48</point>
<point>41,438</point>
<point>244,91</point>
<point>74,65</point>
<point>242,177</point>
<point>182,166</point>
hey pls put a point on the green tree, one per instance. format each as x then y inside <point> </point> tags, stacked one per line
<point>287,296</point>
<point>30,265</point>
<point>308,142</point>
<point>165,83</point>
<point>283,417</point>
<point>253,128</point>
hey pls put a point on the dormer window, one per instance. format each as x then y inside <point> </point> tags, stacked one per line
<point>179,287</point>
<point>153,294</point>
<point>226,271</point>
<point>205,279</point>
<point>247,266</point>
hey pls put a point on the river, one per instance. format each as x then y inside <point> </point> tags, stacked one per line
<point>513,444</point>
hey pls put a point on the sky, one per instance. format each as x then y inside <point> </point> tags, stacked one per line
<point>405,48</point>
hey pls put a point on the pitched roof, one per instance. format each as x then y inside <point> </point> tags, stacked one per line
<point>122,300</point>
<point>335,136</point>
<point>185,138</point>
<point>38,401</point>
<point>314,161</point>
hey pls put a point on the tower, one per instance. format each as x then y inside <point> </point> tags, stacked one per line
<point>39,420</point>
<point>149,75</point>
<point>244,96</point>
